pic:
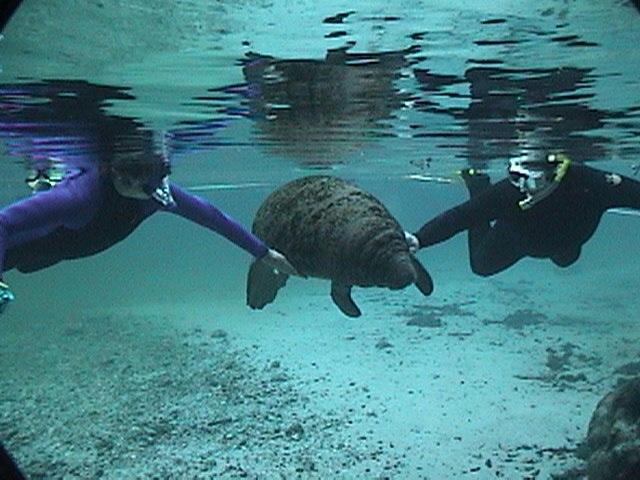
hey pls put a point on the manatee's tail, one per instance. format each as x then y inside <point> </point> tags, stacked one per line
<point>423,279</point>
<point>263,284</point>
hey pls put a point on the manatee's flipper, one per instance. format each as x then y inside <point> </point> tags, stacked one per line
<point>423,279</point>
<point>341,296</point>
<point>263,284</point>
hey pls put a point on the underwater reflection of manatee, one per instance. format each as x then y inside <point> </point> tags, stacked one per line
<point>315,110</point>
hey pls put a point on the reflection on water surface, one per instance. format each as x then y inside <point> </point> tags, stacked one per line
<point>394,90</point>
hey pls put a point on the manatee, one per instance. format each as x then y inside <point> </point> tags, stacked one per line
<point>330,228</point>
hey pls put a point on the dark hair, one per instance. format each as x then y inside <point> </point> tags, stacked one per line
<point>141,166</point>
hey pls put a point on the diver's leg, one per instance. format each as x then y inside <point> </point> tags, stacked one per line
<point>476,183</point>
<point>494,251</point>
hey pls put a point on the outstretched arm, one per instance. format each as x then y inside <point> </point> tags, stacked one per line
<point>620,191</point>
<point>207,215</point>
<point>499,200</point>
<point>444,226</point>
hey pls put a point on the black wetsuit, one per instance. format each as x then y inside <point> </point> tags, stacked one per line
<point>501,232</point>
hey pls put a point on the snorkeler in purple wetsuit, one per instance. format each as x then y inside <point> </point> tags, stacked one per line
<point>93,207</point>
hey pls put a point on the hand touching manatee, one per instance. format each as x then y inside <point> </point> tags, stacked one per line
<point>412,242</point>
<point>278,262</point>
<point>329,228</point>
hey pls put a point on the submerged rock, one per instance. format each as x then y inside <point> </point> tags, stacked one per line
<point>613,439</point>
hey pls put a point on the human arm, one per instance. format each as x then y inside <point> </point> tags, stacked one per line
<point>279,262</point>
<point>498,201</point>
<point>203,213</point>
<point>616,190</point>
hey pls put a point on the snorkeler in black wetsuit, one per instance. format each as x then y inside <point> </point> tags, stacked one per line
<point>547,208</point>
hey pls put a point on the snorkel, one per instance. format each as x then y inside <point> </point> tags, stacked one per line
<point>537,178</point>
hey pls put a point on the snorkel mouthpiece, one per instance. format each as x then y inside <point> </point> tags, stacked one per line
<point>162,194</point>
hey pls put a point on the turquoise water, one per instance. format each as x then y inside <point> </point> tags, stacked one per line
<point>245,96</point>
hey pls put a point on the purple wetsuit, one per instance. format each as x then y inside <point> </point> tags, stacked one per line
<point>83,214</point>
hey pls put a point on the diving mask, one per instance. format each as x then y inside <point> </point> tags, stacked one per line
<point>43,178</point>
<point>537,178</point>
<point>144,185</point>
<point>160,190</point>
<point>162,193</point>
<point>529,175</point>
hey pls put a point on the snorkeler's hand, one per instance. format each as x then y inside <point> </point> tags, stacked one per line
<point>279,262</point>
<point>412,242</point>
<point>6,297</point>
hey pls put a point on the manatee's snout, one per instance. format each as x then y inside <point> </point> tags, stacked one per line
<point>401,272</point>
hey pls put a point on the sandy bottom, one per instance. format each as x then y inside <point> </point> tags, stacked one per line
<point>488,378</point>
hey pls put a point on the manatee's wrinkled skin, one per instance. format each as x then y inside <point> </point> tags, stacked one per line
<point>330,228</point>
